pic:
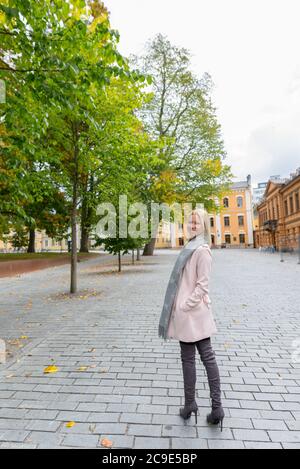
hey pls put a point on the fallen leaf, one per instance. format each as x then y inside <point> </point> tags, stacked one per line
<point>106,443</point>
<point>51,369</point>
<point>103,370</point>
<point>82,368</point>
<point>23,337</point>
<point>70,424</point>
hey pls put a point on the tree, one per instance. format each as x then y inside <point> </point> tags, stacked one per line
<point>123,152</point>
<point>62,55</point>
<point>182,118</point>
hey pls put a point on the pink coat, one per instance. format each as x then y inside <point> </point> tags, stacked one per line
<point>191,318</point>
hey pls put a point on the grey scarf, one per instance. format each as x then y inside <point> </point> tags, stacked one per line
<point>174,282</point>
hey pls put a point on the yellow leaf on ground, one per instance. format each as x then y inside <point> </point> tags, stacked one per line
<point>106,443</point>
<point>23,337</point>
<point>70,424</point>
<point>82,368</point>
<point>51,369</point>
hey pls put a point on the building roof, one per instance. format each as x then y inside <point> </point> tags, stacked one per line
<point>242,184</point>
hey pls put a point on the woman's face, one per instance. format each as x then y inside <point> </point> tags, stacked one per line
<point>195,225</point>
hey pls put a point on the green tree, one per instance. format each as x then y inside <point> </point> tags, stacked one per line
<point>182,118</point>
<point>60,55</point>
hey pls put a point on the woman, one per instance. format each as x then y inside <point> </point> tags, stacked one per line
<point>187,316</point>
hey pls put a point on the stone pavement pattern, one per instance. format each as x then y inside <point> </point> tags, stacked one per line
<point>117,379</point>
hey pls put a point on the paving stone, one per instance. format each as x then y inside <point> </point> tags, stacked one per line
<point>13,435</point>
<point>136,418</point>
<point>263,424</point>
<point>260,445</point>
<point>145,430</point>
<point>285,436</point>
<point>225,444</point>
<point>81,441</point>
<point>188,443</point>
<point>151,443</point>
<point>251,435</point>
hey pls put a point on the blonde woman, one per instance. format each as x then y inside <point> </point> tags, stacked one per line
<point>187,315</point>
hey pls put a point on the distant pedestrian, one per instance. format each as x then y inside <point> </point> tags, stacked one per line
<point>187,315</point>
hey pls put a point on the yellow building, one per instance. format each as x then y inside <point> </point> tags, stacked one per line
<point>170,235</point>
<point>233,226</point>
<point>42,243</point>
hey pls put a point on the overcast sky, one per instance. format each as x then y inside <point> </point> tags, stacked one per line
<point>252,50</point>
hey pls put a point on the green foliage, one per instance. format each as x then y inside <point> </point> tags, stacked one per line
<point>182,117</point>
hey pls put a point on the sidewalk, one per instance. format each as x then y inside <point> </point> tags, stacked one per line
<point>117,379</point>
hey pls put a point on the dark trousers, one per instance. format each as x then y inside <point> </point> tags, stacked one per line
<point>207,355</point>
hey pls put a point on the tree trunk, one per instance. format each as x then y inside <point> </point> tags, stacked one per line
<point>149,248</point>
<point>73,288</point>
<point>119,261</point>
<point>138,254</point>
<point>31,244</point>
<point>133,256</point>
<point>74,242</point>
<point>84,242</point>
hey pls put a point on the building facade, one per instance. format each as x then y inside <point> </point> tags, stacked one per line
<point>279,214</point>
<point>233,226</point>
<point>259,191</point>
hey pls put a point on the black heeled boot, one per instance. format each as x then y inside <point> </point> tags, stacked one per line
<point>216,417</point>
<point>189,381</point>
<point>186,411</point>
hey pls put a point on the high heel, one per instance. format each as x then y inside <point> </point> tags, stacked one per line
<point>216,417</point>
<point>186,411</point>
<point>196,413</point>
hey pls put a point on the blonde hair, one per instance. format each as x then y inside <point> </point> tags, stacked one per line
<point>205,221</point>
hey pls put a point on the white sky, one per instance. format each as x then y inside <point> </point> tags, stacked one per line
<point>252,50</point>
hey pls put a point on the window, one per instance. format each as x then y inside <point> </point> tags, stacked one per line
<point>239,201</point>
<point>228,239</point>
<point>212,222</point>
<point>242,238</point>
<point>286,208</point>
<point>226,221</point>
<point>241,220</point>
<point>291,204</point>
<point>297,201</point>
<point>226,202</point>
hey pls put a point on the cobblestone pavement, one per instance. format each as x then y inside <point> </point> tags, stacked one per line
<point>117,379</point>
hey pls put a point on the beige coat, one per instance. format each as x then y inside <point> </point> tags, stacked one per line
<point>191,318</point>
